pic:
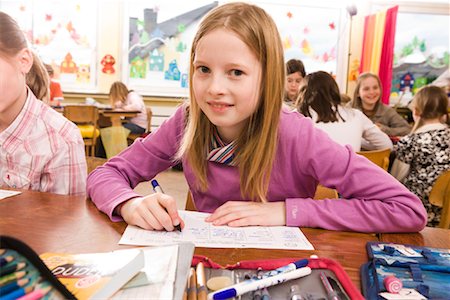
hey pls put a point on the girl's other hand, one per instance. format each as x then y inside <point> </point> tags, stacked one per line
<point>246,213</point>
<point>153,212</point>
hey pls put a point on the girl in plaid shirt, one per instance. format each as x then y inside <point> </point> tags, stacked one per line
<point>39,149</point>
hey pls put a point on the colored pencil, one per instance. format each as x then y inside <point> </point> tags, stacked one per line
<point>17,293</point>
<point>14,285</point>
<point>6,259</point>
<point>201,282</point>
<point>36,294</point>
<point>192,285</point>
<point>12,268</point>
<point>9,278</point>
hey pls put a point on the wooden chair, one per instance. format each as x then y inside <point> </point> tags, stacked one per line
<point>378,157</point>
<point>321,193</point>
<point>440,196</point>
<point>86,117</point>
<point>132,136</point>
<point>94,162</point>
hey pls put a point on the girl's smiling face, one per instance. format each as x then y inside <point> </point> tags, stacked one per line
<point>369,91</point>
<point>226,81</point>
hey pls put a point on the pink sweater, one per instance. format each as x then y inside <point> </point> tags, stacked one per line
<point>373,201</point>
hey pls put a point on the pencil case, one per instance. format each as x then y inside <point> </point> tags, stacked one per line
<point>23,275</point>
<point>308,287</point>
<point>422,269</point>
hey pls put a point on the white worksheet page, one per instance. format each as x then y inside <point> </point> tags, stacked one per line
<point>204,234</point>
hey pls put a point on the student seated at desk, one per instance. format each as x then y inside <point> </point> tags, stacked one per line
<point>39,148</point>
<point>367,98</point>
<point>295,72</point>
<point>320,100</point>
<point>247,160</point>
<point>424,154</point>
<point>121,97</point>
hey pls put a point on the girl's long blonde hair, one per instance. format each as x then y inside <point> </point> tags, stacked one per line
<point>430,102</point>
<point>118,92</point>
<point>256,145</point>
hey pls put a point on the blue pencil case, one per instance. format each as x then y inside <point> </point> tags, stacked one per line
<point>423,269</point>
<point>24,275</point>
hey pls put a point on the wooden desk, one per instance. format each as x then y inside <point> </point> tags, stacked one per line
<point>71,224</point>
<point>116,115</point>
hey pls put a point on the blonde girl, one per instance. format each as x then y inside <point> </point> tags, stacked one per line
<point>247,160</point>
<point>424,154</point>
<point>367,98</point>
<point>121,98</point>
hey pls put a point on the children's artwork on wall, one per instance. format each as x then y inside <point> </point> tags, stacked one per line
<point>305,36</point>
<point>421,52</point>
<point>63,34</point>
<point>108,62</point>
<point>160,34</point>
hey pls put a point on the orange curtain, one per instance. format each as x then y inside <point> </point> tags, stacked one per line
<point>378,47</point>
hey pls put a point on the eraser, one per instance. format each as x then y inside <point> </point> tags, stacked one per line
<point>218,283</point>
<point>392,284</point>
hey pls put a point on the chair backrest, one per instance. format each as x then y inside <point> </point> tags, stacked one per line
<point>378,157</point>
<point>149,118</point>
<point>81,114</point>
<point>94,162</point>
<point>323,192</point>
<point>84,114</point>
<point>440,196</point>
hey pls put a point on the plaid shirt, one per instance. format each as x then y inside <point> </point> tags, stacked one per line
<point>41,150</point>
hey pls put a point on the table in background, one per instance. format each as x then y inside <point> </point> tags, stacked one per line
<point>71,224</point>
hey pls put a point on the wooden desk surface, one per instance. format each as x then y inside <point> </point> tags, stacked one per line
<point>71,224</point>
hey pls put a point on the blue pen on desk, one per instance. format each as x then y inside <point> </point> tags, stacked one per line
<point>157,189</point>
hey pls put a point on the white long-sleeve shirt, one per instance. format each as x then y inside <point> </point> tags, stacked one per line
<point>357,131</point>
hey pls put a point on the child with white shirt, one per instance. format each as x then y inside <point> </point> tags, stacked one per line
<point>424,154</point>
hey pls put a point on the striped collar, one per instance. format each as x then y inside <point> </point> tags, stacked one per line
<point>221,152</point>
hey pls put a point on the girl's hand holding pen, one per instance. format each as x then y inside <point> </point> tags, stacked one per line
<point>247,213</point>
<point>153,212</point>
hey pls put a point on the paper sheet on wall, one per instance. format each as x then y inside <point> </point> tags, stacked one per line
<point>6,193</point>
<point>204,234</point>
<point>159,273</point>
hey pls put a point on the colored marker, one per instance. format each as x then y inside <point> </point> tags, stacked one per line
<point>157,189</point>
<point>265,294</point>
<point>287,268</point>
<point>11,277</point>
<point>14,285</point>
<point>253,285</point>
<point>36,294</point>
<point>11,268</point>
<point>332,295</point>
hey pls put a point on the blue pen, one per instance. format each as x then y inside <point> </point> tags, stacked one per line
<point>157,189</point>
<point>287,268</point>
<point>253,285</point>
